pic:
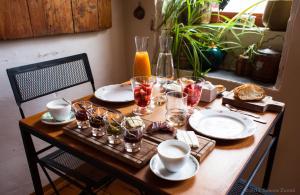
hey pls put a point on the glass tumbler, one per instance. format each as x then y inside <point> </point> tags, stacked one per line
<point>142,89</point>
<point>98,121</point>
<point>82,108</point>
<point>176,106</point>
<point>132,137</point>
<point>192,86</point>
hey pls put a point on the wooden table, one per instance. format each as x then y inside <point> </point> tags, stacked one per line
<point>217,173</point>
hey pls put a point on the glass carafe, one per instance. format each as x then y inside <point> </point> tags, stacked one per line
<point>165,67</point>
<point>164,71</point>
<point>141,66</point>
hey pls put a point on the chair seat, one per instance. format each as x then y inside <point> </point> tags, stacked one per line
<point>76,168</point>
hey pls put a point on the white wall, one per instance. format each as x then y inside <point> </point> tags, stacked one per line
<point>286,172</point>
<point>106,52</point>
<point>135,27</point>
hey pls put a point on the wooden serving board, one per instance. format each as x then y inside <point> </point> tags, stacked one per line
<point>138,159</point>
<point>266,104</point>
<point>148,149</point>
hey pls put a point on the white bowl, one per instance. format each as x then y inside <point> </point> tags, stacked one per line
<point>173,154</point>
<point>59,109</point>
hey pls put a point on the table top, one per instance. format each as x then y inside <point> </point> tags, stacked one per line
<point>217,173</point>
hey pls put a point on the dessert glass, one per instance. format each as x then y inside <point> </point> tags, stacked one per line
<point>192,86</point>
<point>132,137</point>
<point>82,108</point>
<point>98,121</point>
<point>142,89</point>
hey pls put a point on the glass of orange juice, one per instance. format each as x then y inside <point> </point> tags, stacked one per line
<point>141,66</point>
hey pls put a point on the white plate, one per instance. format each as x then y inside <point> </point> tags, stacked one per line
<point>188,170</point>
<point>115,93</point>
<point>222,124</point>
<point>48,119</point>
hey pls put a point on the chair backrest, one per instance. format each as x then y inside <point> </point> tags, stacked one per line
<point>36,80</point>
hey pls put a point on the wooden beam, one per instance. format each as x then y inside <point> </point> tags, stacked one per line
<point>105,13</point>
<point>14,19</point>
<point>50,17</point>
<point>85,15</point>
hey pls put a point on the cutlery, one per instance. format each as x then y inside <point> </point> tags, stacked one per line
<point>231,108</point>
<point>66,101</point>
<point>254,119</point>
<point>260,121</point>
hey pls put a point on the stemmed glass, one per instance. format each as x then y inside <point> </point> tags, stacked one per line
<point>142,89</point>
<point>192,86</point>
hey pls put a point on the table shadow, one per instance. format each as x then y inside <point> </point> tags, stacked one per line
<point>165,184</point>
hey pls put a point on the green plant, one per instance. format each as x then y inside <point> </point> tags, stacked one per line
<point>191,39</point>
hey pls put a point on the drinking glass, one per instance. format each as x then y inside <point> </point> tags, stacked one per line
<point>141,66</point>
<point>165,68</point>
<point>82,108</point>
<point>142,89</point>
<point>132,137</point>
<point>98,122</point>
<point>176,106</point>
<point>192,86</point>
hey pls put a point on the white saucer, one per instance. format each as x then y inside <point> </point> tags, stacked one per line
<point>48,119</point>
<point>189,170</point>
<point>115,93</point>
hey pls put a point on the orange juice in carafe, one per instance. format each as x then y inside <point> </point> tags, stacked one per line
<point>141,66</point>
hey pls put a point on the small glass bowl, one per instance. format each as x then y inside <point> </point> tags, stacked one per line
<point>98,121</point>
<point>132,137</point>
<point>82,109</point>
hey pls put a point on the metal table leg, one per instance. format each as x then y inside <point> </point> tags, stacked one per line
<point>32,160</point>
<point>271,156</point>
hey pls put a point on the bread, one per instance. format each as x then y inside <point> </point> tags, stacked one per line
<point>249,92</point>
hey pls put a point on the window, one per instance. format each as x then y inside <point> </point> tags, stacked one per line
<point>235,6</point>
<point>239,5</point>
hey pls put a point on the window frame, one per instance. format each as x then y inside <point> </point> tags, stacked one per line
<point>258,19</point>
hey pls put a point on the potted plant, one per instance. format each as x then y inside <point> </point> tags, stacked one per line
<point>194,43</point>
<point>245,61</point>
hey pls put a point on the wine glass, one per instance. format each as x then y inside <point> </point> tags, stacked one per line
<point>142,89</point>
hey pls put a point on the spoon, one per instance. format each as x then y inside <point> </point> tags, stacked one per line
<point>66,101</point>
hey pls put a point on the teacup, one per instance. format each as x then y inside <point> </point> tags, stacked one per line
<point>173,154</point>
<point>59,109</point>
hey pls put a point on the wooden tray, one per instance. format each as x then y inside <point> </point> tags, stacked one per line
<point>138,159</point>
<point>266,104</point>
<point>148,149</point>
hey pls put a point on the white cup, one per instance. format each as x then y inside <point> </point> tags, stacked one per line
<point>173,154</point>
<point>59,109</point>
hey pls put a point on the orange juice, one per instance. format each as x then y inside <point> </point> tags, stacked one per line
<point>141,65</point>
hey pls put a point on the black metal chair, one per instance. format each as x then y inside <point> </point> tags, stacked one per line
<point>36,80</point>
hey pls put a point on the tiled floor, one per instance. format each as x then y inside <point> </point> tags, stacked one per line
<point>116,188</point>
